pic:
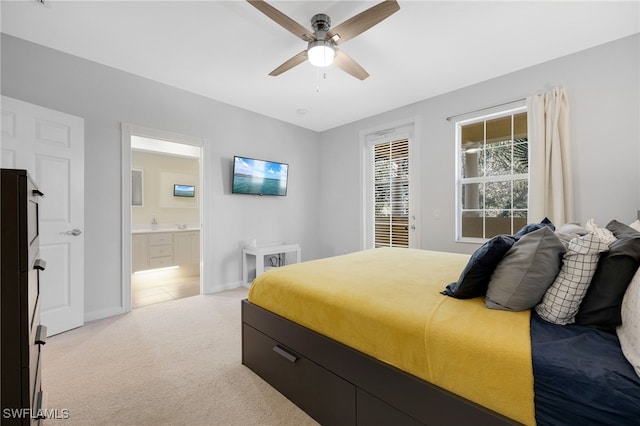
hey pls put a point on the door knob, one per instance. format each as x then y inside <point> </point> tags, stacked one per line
<point>75,232</point>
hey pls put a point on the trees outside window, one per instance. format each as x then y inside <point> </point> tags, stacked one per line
<point>493,174</point>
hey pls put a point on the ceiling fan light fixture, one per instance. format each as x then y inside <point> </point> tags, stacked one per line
<point>322,44</point>
<point>321,53</point>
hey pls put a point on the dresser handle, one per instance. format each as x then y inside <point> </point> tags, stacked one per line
<point>40,264</point>
<point>41,335</point>
<point>37,193</point>
<point>285,354</point>
<point>40,405</point>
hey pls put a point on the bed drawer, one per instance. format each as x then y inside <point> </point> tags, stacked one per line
<point>324,396</point>
<point>373,412</point>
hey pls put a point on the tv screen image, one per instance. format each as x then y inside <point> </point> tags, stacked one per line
<point>259,177</point>
<point>184,190</point>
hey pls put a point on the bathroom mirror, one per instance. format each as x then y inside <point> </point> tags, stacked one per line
<point>137,188</point>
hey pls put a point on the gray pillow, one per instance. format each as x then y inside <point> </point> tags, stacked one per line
<point>526,271</point>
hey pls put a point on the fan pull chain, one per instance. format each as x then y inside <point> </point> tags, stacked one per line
<point>317,80</point>
<point>324,77</point>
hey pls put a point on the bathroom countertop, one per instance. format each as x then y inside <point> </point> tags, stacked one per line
<point>163,229</point>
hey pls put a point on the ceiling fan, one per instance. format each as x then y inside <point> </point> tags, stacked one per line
<point>322,43</point>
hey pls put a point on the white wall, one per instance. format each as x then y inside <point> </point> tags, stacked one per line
<point>105,98</point>
<point>604,89</point>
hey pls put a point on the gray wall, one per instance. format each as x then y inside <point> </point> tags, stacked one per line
<point>106,97</point>
<point>322,209</point>
<point>604,91</point>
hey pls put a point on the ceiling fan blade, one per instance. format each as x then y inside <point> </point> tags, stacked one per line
<point>296,60</point>
<point>283,20</point>
<point>363,21</point>
<point>348,65</point>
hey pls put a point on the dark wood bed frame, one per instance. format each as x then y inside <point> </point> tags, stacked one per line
<point>337,385</point>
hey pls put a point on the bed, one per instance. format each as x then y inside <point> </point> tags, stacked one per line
<point>368,338</point>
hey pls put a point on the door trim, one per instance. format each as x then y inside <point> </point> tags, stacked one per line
<point>127,130</point>
<point>407,128</point>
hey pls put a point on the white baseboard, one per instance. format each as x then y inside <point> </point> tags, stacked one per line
<point>222,287</point>
<point>104,313</point>
<point>109,312</point>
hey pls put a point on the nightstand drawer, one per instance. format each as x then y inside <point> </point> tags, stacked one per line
<point>33,297</point>
<point>34,372</point>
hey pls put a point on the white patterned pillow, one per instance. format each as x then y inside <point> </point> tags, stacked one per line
<point>604,234</point>
<point>636,225</point>
<point>562,300</point>
<point>629,331</point>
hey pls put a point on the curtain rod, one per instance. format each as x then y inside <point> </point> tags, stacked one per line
<point>486,108</point>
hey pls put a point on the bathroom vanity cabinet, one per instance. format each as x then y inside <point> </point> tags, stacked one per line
<point>163,248</point>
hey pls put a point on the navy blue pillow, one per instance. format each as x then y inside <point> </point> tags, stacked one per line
<point>533,227</point>
<point>474,280</point>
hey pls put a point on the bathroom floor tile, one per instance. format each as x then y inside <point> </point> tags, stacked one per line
<point>147,292</point>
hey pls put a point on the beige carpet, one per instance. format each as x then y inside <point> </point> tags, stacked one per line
<point>173,363</point>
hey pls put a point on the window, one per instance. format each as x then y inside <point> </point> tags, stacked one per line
<point>391,193</point>
<point>493,174</point>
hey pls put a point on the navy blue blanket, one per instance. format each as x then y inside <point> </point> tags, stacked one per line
<point>581,377</point>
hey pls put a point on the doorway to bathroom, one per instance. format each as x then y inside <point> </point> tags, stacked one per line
<point>165,203</point>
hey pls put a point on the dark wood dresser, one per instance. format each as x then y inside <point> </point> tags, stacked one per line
<point>22,335</point>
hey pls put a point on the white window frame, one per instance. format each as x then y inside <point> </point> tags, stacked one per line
<point>459,180</point>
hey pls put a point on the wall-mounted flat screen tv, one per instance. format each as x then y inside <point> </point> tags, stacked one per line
<point>259,177</point>
<point>184,190</point>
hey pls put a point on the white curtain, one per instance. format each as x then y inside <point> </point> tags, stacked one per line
<point>550,175</point>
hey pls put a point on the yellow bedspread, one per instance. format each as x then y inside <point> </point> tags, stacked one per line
<point>387,303</point>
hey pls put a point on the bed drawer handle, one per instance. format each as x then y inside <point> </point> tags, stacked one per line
<point>41,335</point>
<point>285,354</point>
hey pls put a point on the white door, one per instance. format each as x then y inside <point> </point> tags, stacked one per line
<point>391,192</point>
<point>50,145</point>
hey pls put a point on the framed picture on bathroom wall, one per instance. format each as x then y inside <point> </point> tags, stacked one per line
<point>178,190</point>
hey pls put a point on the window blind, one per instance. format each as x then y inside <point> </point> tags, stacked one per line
<point>391,192</point>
